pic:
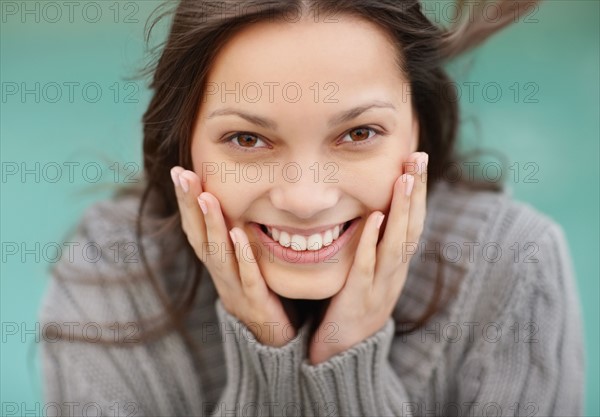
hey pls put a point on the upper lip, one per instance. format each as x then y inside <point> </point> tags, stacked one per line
<point>307,232</point>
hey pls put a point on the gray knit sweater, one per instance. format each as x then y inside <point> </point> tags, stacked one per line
<point>508,342</point>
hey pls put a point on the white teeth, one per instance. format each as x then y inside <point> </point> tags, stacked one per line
<point>298,242</point>
<point>336,232</point>
<point>284,239</point>
<point>301,243</point>
<point>327,238</point>
<point>315,242</point>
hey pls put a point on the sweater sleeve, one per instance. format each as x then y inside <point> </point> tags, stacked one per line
<point>261,379</point>
<point>154,379</point>
<point>88,295</point>
<point>87,378</point>
<point>357,382</point>
<point>531,360</point>
<point>148,378</point>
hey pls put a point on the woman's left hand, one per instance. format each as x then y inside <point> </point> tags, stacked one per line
<point>379,271</point>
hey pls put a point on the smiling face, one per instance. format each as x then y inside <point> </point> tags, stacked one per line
<point>304,125</point>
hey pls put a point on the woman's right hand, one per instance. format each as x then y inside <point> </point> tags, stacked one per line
<point>239,282</point>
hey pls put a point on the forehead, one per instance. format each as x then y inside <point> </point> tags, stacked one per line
<point>354,54</point>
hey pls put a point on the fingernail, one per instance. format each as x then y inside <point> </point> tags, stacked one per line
<point>232,235</point>
<point>410,181</point>
<point>422,164</point>
<point>381,217</point>
<point>203,205</point>
<point>184,184</point>
<point>175,178</point>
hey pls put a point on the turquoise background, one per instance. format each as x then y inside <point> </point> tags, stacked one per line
<point>559,133</point>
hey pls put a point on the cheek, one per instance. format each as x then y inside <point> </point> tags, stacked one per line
<point>376,195</point>
<point>234,197</point>
<point>371,182</point>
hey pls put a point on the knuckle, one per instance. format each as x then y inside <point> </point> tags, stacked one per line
<point>418,230</point>
<point>189,201</point>
<point>365,267</point>
<point>414,232</point>
<point>218,268</point>
<point>248,282</point>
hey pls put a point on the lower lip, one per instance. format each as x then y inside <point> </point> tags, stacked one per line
<point>305,256</point>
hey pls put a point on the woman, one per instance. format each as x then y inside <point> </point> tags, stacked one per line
<point>302,250</point>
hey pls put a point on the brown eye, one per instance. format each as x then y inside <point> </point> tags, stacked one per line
<point>360,134</point>
<point>247,141</point>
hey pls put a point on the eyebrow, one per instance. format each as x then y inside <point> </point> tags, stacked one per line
<point>337,119</point>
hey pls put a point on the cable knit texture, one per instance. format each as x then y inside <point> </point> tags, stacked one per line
<point>507,342</point>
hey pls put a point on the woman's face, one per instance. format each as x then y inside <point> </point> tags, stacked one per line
<point>296,94</point>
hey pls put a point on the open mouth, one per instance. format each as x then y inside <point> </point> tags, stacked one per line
<point>301,243</point>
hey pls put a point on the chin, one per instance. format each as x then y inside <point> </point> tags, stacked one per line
<point>305,293</point>
<point>306,285</point>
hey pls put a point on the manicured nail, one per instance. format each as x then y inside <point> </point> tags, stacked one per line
<point>234,240</point>
<point>203,205</point>
<point>175,178</point>
<point>410,181</point>
<point>232,235</point>
<point>381,217</point>
<point>422,164</point>
<point>184,184</point>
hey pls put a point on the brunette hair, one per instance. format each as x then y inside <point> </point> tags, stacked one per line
<point>179,69</point>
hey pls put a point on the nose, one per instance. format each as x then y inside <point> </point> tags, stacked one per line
<point>305,190</point>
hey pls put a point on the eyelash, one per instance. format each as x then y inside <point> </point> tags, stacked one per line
<point>229,139</point>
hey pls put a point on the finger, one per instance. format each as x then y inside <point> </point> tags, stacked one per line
<point>182,197</point>
<point>418,200</point>
<point>191,216</point>
<point>411,165</point>
<point>362,272</point>
<point>190,188</point>
<point>223,262</point>
<point>251,278</point>
<point>394,237</point>
<point>175,172</point>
